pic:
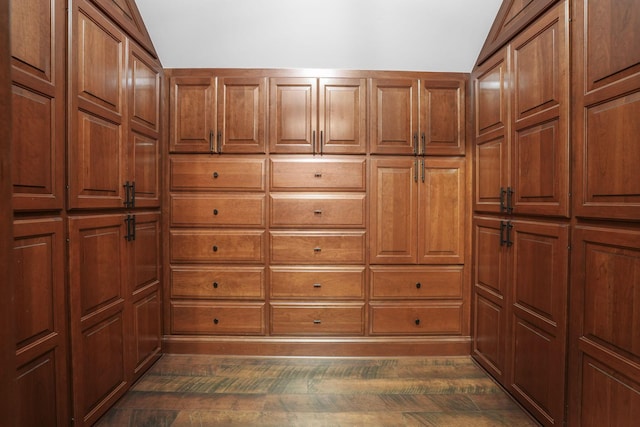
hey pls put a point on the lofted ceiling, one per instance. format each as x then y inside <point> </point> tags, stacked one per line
<point>412,35</point>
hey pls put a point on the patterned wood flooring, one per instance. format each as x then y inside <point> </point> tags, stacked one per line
<point>185,390</point>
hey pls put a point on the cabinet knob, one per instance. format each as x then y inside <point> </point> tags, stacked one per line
<point>215,175</point>
<point>215,248</point>
<point>215,211</point>
<point>417,322</point>
<point>318,175</point>
<point>215,285</point>
<point>216,321</point>
<point>317,285</point>
<point>317,212</point>
<point>317,250</point>
<point>418,285</point>
<point>317,322</point>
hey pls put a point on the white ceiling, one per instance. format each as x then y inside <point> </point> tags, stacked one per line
<point>412,35</point>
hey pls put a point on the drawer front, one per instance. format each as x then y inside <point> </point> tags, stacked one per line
<point>318,174</point>
<point>235,174</point>
<point>317,247</point>
<point>299,319</point>
<point>204,246</point>
<point>217,319</point>
<point>416,283</point>
<point>218,210</point>
<point>317,283</point>
<point>218,283</point>
<point>335,211</point>
<point>416,319</point>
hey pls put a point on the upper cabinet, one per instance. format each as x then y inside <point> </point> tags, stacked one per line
<point>114,124</point>
<point>217,115</point>
<point>317,116</point>
<point>521,122</point>
<point>418,116</point>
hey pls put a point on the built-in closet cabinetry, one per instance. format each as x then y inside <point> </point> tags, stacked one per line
<point>114,227</point>
<point>296,245</point>
<point>521,205</point>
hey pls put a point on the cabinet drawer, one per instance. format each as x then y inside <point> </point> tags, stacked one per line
<point>216,246</point>
<point>317,282</point>
<point>317,247</point>
<point>314,319</point>
<point>228,174</point>
<point>318,210</point>
<point>218,282</point>
<point>318,174</point>
<point>416,319</point>
<point>218,210</point>
<point>416,283</point>
<point>217,319</point>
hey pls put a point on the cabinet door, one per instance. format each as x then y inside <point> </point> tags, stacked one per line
<point>241,115</point>
<point>491,132</point>
<point>490,296</point>
<point>443,117</point>
<point>343,116</point>
<point>293,115</point>
<point>394,211</point>
<point>442,211</point>
<point>394,116</point>
<point>99,319</point>
<point>192,114</point>
<point>38,104</point>
<point>97,154</point>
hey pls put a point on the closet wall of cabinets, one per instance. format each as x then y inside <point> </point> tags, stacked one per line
<point>319,225</point>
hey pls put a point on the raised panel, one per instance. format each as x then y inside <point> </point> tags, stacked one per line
<point>229,174</point>
<point>316,283</point>
<point>441,203</point>
<point>242,115</point>
<point>309,174</point>
<point>489,259</point>
<point>204,246</point>
<point>217,318</point>
<point>33,37</point>
<point>218,210</point>
<point>39,394</point>
<point>394,116</point>
<point>144,90</point>
<point>318,210</point>
<point>393,283</point>
<point>343,116</point>
<point>146,330</point>
<point>320,247</point>
<point>490,95</point>
<point>443,118</point>
<point>416,319</point>
<point>218,282</point>
<point>394,210</point>
<point>489,335</point>
<point>317,319</point>
<point>146,170</point>
<point>192,114</point>
<point>491,174</point>
<point>145,265</point>
<point>293,115</point>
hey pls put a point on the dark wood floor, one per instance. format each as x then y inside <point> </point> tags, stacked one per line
<point>182,390</point>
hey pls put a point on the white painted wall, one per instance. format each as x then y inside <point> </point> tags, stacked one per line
<point>413,35</point>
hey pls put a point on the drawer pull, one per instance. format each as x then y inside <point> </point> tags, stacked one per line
<point>418,285</point>
<point>215,211</point>
<point>417,322</point>
<point>317,322</point>
<point>215,285</point>
<point>317,212</point>
<point>215,248</point>
<point>317,285</point>
<point>317,250</point>
<point>318,175</point>
<point>216,321</point>
<point>215,175</point>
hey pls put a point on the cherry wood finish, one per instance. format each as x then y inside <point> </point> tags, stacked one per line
<point>312,319</point>
<point>394,116</point>
<point>217,318</point>
<point>41,325</point>
<point>443,318</point>
<point>38,106</point>
<point>416,283</point>
<point>192,113</point>
<point>318,210</point>
<point>217,174</point>
<point>228,282</point>
<point>242,109</point>
<point>317,283</point>
<point>318,174</point>
<point>219,210</point>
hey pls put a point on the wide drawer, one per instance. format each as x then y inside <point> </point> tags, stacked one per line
<point>202,246</point>
<point>225,210</point>
<point>318,210</point>
<point>318,174</point>
<point>314,319</point>
<point>218,282</point>
<point>217,319</point>
<point>217,174</point>
<point>416,319</point>
<point>317,282</point>
<point>346,247</point>
<point>416,283</point>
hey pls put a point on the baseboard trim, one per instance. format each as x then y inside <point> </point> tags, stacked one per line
<point>320,347</point>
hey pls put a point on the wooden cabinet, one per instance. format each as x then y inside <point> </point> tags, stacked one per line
<point>520,319</point>
<point>210,114</point>
<point>317,116</point>
<point>41,322</point>
<point>522,122</point>
<point>417,211</point>
<point>317,319</point>
<point>418,116</point>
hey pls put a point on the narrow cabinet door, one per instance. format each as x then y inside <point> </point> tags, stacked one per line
<point>343,116</point>
<point>443,117</point>
<point>394,116</point>
<point>394,209</point>
<point>293,110</point>
<point>192,112</point>
<point>242,106</point>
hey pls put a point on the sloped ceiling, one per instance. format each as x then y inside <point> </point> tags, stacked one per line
<point>413,35</point>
